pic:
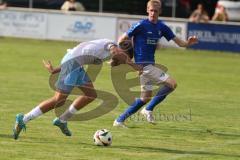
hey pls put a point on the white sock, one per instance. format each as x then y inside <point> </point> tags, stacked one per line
<point>68,114</point>
<point>72,109</point>
<point>34,113</point>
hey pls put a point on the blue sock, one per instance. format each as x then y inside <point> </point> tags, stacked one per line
<point>161,95</point>
<point>131,110</point>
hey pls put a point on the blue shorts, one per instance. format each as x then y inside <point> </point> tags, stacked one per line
<point>72,75</point>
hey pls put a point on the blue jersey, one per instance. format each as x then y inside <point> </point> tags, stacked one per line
<point>145,37</point>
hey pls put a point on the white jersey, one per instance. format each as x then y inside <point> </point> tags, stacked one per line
<point>89,52</point>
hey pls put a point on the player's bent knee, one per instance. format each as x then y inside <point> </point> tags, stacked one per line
<point>146,96</point>
<point>91,97</point>
<point>59,100</point>
<point>146,99</point>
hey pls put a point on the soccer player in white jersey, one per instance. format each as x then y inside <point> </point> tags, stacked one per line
<point>72,75</point>
<point>145,35</point>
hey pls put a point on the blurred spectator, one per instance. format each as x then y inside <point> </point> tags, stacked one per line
<point>3,4</point>
<point>72,5</point>
<point>220,14</point>
<point>199,15</point>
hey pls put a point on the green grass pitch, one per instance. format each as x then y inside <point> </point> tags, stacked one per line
<point>208,91</point>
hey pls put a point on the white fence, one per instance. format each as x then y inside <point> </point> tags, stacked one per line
<point>43,24</point>
<point>73,26</point>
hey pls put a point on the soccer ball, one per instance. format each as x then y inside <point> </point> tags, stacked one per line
<point>102,137</point>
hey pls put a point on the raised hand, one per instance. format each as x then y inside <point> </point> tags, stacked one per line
<point>49,67</point>
<point>192,40</point>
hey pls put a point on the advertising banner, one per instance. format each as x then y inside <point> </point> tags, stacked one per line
<point>216,36</point>
<point>80,27</point>
<point>23,24</point>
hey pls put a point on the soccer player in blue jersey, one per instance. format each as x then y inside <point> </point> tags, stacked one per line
<point>145,35</point>
<point>72,75</point>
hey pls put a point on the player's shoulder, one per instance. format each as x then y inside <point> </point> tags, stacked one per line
<point>139,23</point>
<point>144,21</point>
<point>161,23</point>
<point>147,22</point>
<point>136,26</point>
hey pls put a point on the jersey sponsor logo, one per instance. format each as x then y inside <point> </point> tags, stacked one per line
<point>152,41</point>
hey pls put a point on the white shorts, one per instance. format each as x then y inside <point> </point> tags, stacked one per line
<point>150,75</point>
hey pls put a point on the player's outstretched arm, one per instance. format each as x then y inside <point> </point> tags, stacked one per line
<point>135,66</point>
<point>49,67</point>
<point>119,57</point>
<point>190,41</point>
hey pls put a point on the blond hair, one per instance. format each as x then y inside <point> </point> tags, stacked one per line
<point>154,3</point>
